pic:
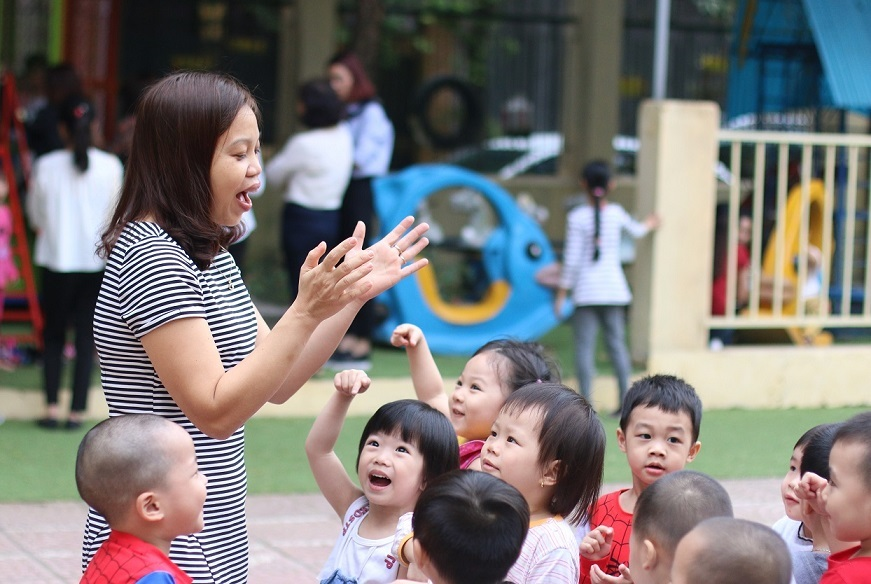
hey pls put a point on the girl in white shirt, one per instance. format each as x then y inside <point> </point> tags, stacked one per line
<point>72,193</point>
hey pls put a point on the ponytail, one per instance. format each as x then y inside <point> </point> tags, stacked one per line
<point>597,176</point>
<point>76,114</point>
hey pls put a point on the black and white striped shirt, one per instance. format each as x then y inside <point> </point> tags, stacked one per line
<point>150,281</point>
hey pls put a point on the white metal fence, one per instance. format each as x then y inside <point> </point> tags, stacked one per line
<point>808,198</point>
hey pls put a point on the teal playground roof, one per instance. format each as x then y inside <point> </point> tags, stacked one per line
<point>791,54</point>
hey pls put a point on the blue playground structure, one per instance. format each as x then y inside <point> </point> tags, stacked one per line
<point>504,254</point>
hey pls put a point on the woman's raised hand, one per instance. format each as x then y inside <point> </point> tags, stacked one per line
<point>393,256</point>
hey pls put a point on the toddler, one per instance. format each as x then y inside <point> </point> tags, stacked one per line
<point>496,369</point>
<point>469,527</point>
<point>548,443</point>
<point>405,445</point>
<point>659,432</point>
<point>724,550</point>
<point>846,499</point>
<point>790,527</point>
<point>665,512</point>
<point>140,472</point>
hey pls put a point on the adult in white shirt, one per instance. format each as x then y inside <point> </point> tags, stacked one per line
<point>373,149</point>
<point>313,170</point>
<point>72,193</point>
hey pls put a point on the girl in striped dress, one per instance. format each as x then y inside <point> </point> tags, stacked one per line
<point>175,329</point>
<point>592,277</point>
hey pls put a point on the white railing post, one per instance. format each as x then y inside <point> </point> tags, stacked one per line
<point>672,271</point>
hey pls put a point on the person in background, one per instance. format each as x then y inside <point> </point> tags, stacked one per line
<point>312,171</point>
<point>592,276</point>
<point>373,137</point>
<point>72,193</point>
<point>62,83</point>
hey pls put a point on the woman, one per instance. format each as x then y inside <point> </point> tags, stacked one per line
<point>176,330</point>
<point>313,170</point>
<point>72,192</point>
<point>373,149</point>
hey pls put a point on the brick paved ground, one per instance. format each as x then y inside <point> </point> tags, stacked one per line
<point>291,536</point>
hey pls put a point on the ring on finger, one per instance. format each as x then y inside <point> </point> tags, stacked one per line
<point>400,256</point>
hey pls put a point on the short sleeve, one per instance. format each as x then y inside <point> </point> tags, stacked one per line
<point>159,283</point>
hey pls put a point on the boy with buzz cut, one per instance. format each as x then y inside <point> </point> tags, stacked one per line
<point>846,499</point>
<point>724,550</point>
<point>469,528</point>
<point>140,472</point>
<point>659,432</point>
<point>665,512</point>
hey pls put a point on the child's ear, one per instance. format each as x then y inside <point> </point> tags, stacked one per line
<point>694,451</point>
<point>148,507</point>
<point>621,439</point>
<point>550,473</point>
<point>421,558</point>
<point>649,557</point>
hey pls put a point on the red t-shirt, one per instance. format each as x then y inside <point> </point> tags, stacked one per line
<point>470,451</point>
<point>126,559</point>
<point>844,570</point>
<point>718,290</point>
<point>609,512</point>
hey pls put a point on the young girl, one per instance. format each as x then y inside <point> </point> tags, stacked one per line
<point>808,565</point>
<point>404,445</point>
<point>796,535</point>
<point>548,443</point>
<point>592,273</point>
<point>497,369</point>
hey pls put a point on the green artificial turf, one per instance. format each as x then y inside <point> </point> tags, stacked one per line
<point>38,465</point>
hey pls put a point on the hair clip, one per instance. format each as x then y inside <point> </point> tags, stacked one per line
<point>80,110</point>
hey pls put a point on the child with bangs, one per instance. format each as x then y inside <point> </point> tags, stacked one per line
<point>405,445</point>
<point>659,431</point>
<point>548,443</point>
<point>495,370</point>
<point>790,527</point>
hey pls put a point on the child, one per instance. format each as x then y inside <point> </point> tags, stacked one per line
<point>497,369</point>
<point>724,550</point>
<point>659,431</point>
<point>808,565</point>
<point>593,274</point>
<point>548,443</point>
<point>140,472</point>
<point>846,499</point>
<point>405,445</point>
<point>665,512</point>
<point>790,527</point>
<point>469,527</point>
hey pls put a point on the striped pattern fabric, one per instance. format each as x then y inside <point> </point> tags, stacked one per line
<point>549,555</point>
<point>150,281</point>
<point>602,282</point>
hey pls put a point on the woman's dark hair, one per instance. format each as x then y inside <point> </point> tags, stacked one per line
<point>363,89</point>
<point>322,108</point>
<point>569,432</point>
<point>62,82</point>
<point>597,175</point>
<point>179,120</point>
<point>421,425</point>
<point>817,443</point>
<point>472,526</point>
<point>76,115</point>
<point>522,363</point>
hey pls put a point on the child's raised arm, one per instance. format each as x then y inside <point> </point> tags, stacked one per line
<point>332,478</point>
<point>425,375</point>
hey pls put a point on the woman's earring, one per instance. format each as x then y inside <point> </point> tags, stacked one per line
<point>541,482</point>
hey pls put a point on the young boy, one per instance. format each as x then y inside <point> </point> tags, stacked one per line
<point>846,499</point>
<point>665,512</point>
<point>139,471</point>
<point>469,528</point>
<point>723,550</point>
<point>659,432</point>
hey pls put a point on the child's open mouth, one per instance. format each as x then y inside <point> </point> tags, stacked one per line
<point>378,480</point>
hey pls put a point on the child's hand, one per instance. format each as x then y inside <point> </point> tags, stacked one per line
<point>351,382</point>
<point>597,543</point>
<point>811,487</point>
<point>652,221</point>
<point>406,335</point>
<point>597,576</point>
